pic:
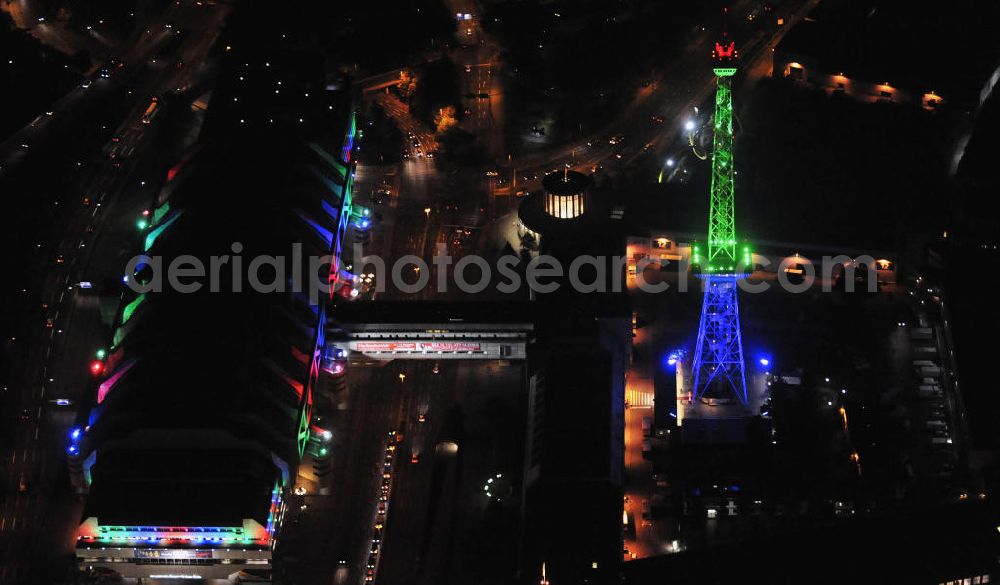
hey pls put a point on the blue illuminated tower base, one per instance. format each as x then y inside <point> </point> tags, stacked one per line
<point>718,357</point>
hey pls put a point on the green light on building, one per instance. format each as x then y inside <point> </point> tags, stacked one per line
<point>160,211</point>
<point>131,307</point>
<point>153,235</point>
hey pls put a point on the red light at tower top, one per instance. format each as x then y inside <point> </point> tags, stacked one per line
<point>97,367</point>
<point>725,51</point>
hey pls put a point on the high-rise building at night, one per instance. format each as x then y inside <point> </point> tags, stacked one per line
<point>574,456</point>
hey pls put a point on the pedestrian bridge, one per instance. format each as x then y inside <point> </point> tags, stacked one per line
<point>433,330</point>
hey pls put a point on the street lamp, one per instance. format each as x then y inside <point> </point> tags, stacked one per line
<point>427,212</point>
<point>402,377</point>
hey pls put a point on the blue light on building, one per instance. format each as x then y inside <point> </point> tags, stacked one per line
<point>673,357</point>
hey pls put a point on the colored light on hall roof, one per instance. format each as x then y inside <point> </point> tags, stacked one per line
<point>109,384</point>
<point>130,308</point>
<point>153,235</point>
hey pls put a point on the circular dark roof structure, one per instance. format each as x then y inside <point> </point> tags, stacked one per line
<point>536,210</point>
<point>565,183</point>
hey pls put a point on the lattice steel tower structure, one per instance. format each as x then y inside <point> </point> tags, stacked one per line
<point>718,359</point>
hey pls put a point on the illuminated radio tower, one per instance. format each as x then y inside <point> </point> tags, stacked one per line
<point>718,359</point>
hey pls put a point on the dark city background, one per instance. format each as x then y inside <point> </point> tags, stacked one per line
<point>841,427</point>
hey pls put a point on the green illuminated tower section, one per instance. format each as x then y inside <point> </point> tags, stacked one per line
<point>722,217</point>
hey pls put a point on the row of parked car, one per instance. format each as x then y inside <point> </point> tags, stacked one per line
<point>928,372</point>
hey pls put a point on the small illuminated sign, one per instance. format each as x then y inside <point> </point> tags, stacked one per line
<point>430,346</point>
<point>385,346</point>
<point>449,346</point>
<point>172,553</point>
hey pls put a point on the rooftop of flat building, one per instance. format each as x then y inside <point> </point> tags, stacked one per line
<point>171,487</point>
<point>223,358</point>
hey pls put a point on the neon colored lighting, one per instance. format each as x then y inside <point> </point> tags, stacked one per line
<point>336,164</point>
<point>725,51</point>
<point>346,204</point>
<point>130,308</point>
<point>322,232</point>
<point>349,139</point>
<point>329,209</point>
<point>274,515</point>
<point>719,351</point>
<point>718,358</point>
<point>107,385</point>
<point>74,437</point>
<point>307,401</point>
<point>250,534</point>
<point>176,535</point>
<point>153,235</point>
<point>335,242</point>
<point>160,211</point>
<point>302,436</point>
<point>120,333</point>
<point>722,217</point>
